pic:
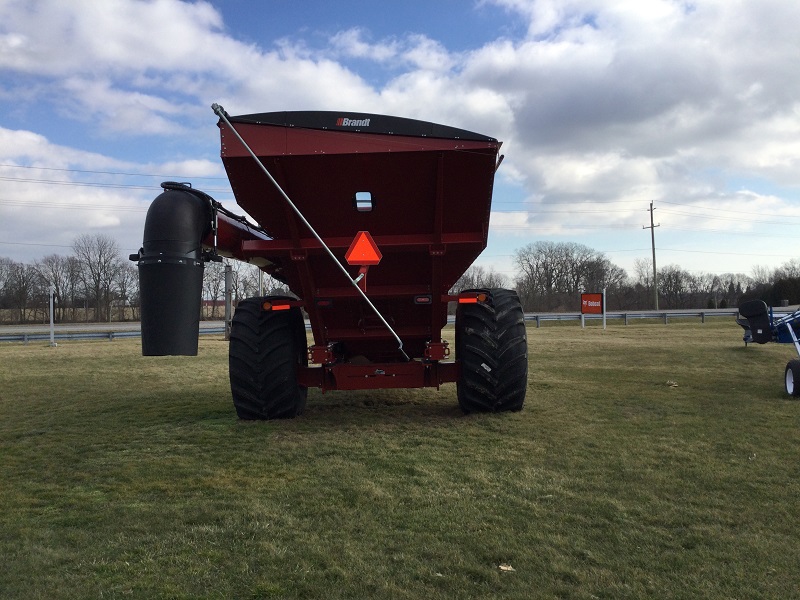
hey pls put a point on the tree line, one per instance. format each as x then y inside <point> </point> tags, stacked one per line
<point>96,283</point>
<point>550,276</point>
<point>87,284</point>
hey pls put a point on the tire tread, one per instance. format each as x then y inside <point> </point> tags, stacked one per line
<point>491,345</point>
<point>264,353</point>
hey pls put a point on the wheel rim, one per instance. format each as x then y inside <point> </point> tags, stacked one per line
<point>789,381</point>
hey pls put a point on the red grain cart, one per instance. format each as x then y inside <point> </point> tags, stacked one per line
<point>369,220</point>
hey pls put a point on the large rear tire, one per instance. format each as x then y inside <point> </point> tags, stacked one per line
<point>492,347</point>
<point>792,378</point>
<point>266,349</point>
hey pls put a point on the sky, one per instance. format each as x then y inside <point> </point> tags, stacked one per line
<point>602,107</point>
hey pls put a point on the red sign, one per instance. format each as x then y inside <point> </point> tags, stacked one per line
<point>592,304</point>
<point>363,251</point>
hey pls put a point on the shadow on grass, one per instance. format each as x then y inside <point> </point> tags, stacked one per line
<point>368,408</point>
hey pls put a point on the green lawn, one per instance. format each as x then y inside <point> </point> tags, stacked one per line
<point>650,461</point>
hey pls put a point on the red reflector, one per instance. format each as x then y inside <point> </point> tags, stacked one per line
<point>271,306</point>
<point>423,299</point>
<point>363,251</point>
<point>472,299</point>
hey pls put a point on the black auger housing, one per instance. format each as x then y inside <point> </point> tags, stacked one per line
<point>171,265</point>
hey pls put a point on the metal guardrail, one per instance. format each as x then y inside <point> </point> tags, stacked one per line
<point>627,316</point>
<point>87,335</point>
<point>109,333</point>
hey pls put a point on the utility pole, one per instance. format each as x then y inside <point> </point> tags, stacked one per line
<point>652,229</point>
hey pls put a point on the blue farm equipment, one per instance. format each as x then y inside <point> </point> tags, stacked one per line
<point>761,325</point>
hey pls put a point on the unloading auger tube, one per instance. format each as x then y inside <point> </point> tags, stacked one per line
<point>220,112</point>
<point>180,235</point>
<point>171,263</point>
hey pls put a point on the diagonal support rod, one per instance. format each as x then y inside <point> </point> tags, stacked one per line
<point>220,112</point>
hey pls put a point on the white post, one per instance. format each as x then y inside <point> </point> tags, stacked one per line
<point>228,300</point>
<point>52,324</point>
<point>583,318</point>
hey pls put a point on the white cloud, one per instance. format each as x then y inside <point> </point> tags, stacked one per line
<point>121,111</point>
<point>50,37</point>
<point>22,147</point>
<point>602,102</point>
<point>50,193</point>
<point>352,43</point>
<point>428,55</point>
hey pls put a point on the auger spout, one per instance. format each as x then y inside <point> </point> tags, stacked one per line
<point>171,270</point>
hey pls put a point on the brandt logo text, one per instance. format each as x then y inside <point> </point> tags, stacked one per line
<point>345,122</point>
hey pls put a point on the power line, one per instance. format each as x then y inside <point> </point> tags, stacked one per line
<point>35,244</point>
<point>576,228</point>
<point>727,232</point>
<point>663,249</point>
<point>719,218</point>
<point>168,176</point>
<point>79,183</point>
<point>740,212</point>
<point>72,206</point>
<point>94,184</point>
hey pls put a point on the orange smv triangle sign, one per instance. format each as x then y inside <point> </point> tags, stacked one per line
<point>363,251</point>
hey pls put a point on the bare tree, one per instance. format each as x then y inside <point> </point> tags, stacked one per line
<point>643,272</point>
<point>244,283</point>
<point>675,286</point>
<point>213,285</point>
<point>75,287</point>
<point>788,270</point>
<point>100,259</point>
<point>585,268</point>
<point>126,284</point>
<point>25,290</point>
<point>60,273</point>
<point>478,277</point>
<point>761,275</point>
<point>551,275</point>
<point>273,287</point>
<point>730,290</point>
<point>540,271</point>
<point>248,280</point>
<point>5,274</point>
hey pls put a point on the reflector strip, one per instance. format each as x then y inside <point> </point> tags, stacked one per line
<point>271,306</point>
<point>472,299</point>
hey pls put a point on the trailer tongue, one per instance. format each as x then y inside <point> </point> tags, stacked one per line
<point>370,220</point>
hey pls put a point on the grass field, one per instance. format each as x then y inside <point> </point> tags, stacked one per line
<point>650,461</point>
